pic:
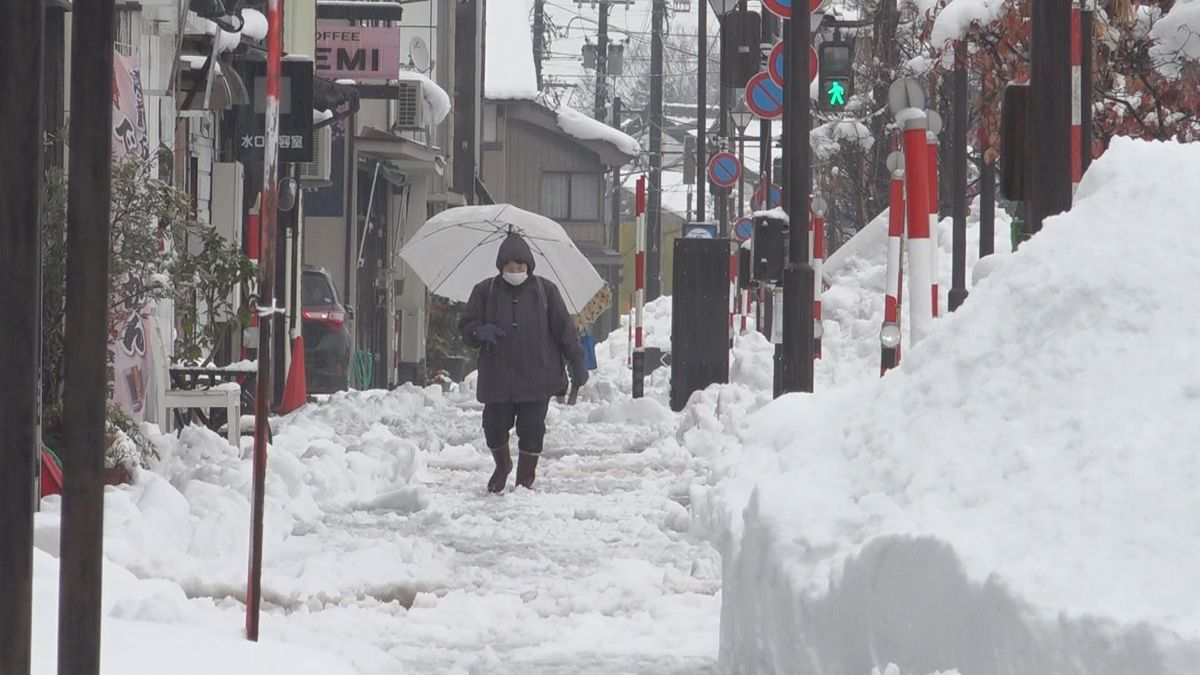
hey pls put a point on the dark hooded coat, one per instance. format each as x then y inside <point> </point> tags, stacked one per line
<point>527,363</point>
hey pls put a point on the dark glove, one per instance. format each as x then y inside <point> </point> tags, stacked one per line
<point>579,373</point>
<point>489,333</point>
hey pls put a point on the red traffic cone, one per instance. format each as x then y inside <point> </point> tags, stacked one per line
<point>295,390</point>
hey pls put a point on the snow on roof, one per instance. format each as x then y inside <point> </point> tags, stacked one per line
<point>580,126</point>
<point>674,191</point>
<point>435,97</point>
<point>508,60</point>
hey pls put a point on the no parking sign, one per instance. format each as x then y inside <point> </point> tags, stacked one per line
<point>724,170</point>
<point>764,96</point>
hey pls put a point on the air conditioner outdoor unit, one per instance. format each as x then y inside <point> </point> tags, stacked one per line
<point>316,172</point>
<point>410,105</point>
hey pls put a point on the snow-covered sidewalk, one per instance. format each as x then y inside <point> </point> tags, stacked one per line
<point>592,572</point>
<point>383,548</point>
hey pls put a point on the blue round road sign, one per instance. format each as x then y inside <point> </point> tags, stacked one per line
<point>775,63</point>
<point>775,198</point>
<point>764,96</point>
<point>724,170</point>
<point>780,8</point>
<point>743,228</point>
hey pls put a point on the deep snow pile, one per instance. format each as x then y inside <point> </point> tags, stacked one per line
<point>1020,496</point>
<point>183,526</point>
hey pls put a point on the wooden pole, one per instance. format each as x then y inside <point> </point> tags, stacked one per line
<point>21,26</point>
<point>86,354</point>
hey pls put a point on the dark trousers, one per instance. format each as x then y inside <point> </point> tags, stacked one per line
<point>529,416</point>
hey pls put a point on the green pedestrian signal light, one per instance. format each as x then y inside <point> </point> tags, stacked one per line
<point>836,94</point>
<point>835,66</point>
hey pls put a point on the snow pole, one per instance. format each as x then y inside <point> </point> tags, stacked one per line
<point>889,333</point>
<point>817,238</point>
<point>932,147</point>
<point>639,350</point>
<point>734,295</point>
<point>920,283</point>
<point>268,215</point>
<point>1076,95</point>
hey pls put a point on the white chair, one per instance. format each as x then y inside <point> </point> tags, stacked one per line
<point>227,395</point>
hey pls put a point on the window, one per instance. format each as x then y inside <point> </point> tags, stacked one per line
<point>571,196</point>
<point>491,130</point>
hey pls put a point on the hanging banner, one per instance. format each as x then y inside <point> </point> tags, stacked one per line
<point>132,358</point>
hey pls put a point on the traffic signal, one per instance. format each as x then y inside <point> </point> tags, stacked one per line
<point>835,77</point>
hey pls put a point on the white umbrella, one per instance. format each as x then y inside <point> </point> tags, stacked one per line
<point>457,248</point>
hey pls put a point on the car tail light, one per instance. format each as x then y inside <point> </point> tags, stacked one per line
<point>334,317</point>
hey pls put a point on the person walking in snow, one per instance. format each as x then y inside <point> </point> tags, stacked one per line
<point>524,334</point>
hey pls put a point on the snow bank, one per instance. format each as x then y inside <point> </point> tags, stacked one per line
<point>508,60</point>
<point>1019,496</point>
<point>577,125</point>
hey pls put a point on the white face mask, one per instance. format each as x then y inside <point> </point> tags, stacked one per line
<point>516,278</point>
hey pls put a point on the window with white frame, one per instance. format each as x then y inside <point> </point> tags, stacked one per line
<point>571,196</point>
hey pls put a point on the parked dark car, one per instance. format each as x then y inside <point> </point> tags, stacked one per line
<point>326,327</point>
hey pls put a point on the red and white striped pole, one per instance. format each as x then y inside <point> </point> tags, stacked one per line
<point>267,311</point>
<point>920,281</point>
<point>1076,95</point>
<point>932,147</point>
<point>889,333</point>
<point>735,297</point>
<point>817,243</point>
<point>639,349</point>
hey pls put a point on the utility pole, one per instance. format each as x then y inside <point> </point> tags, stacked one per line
<point>798,281</point>
<point>602,62</point>
<point>21,30</point>
<point>615,204</point>
<point>1050,111</point>
<point>654,226</point>
<point>267,314</point>
<point>958,132</point>
<point>765,154</point>
<point>987,189</point>
<point>701,107</point>
<point>539,38</point>
<point>86,354</point>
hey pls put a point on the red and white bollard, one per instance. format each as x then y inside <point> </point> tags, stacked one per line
<point>920,281</point>
<point>1076,95</point>
<point>735,298</point>
<point>817,244</point>
<point>639,349</point>
<point>889,333</point>
<point>932,146</point>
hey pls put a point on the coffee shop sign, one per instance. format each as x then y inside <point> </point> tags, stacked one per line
<point>358,53</point>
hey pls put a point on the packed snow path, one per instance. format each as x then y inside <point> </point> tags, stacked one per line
<point>594,571</point>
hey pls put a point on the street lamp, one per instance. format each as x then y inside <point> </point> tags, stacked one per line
<point>722,7</point>
<point>741,114</point>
